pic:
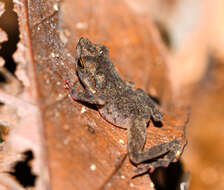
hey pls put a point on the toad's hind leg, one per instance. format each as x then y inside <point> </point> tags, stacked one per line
<point>174,147</point>
<point>136,141</point>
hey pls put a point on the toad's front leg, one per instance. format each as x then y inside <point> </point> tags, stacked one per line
<point>83,95</point>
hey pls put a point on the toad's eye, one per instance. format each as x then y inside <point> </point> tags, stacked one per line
<point>80,63</point>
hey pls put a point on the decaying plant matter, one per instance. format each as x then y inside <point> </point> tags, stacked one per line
<point>64,144</point>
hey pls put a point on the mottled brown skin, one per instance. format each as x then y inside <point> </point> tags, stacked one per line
<point>100,84</point>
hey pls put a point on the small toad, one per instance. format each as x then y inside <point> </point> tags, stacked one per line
<point>99,84</point>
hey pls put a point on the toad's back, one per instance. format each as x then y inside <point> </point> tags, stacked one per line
<point>126,106</point>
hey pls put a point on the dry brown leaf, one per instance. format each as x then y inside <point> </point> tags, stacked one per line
<point>73,147</point>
